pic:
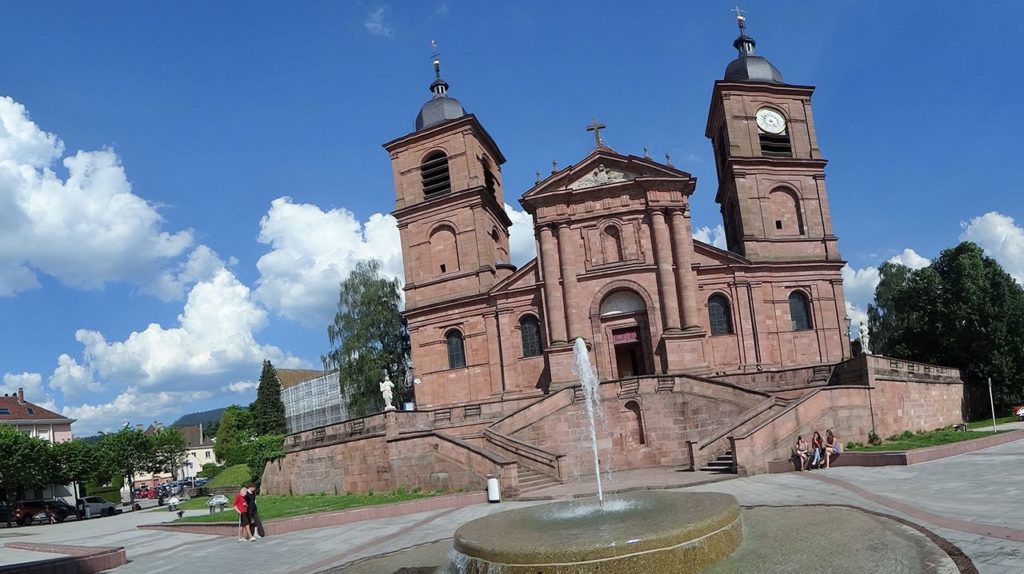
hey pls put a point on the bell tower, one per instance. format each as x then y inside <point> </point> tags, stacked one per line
<point>449,203</point>
<point>771,175</point>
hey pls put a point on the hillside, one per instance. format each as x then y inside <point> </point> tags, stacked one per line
<point>205,418</point>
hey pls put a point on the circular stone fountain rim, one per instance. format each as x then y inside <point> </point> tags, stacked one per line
<point>700,515</point>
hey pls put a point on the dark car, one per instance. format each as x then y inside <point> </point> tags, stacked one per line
<point>29,510</point>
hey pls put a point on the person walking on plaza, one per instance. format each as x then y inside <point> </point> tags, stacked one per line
<point>254,515</point>
<point>242,507</point>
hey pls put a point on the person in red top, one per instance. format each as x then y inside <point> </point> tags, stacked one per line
<point>244,535</point>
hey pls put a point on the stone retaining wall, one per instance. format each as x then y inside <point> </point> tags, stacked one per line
<point>79,559</point>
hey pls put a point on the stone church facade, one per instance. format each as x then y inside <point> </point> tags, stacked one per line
<point>701,351</point>
<point>616,262</point>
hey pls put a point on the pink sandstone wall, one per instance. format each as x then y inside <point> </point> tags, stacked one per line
<point>890,407</point>
<point>682,410</point>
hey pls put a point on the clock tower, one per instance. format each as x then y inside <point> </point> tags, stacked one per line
<point>771,175</point>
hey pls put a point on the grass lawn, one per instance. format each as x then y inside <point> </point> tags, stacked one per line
<point>237,475</point>
<point>987,423</point>
<point>910,441</point>
<point>285,506</point>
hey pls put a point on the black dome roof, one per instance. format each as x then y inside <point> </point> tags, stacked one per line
<point>753,69</point>
<point>439,108</point>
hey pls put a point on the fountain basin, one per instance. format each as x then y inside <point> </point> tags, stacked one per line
<point>679,532</point>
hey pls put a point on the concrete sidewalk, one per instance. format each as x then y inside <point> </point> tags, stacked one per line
<point>974,500</point>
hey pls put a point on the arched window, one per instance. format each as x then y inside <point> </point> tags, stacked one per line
<point>621,302</point>
<point>488,175</point>
<point>611,244</point>
<point>799,311</point>
<point>529,330</point>
<point>785,211</point>
<point>719,316</point>
<point>444,250</point>
<point>634,407</point>
<point>773,133</point>
<point>456,350</point>
<point>434,171</point>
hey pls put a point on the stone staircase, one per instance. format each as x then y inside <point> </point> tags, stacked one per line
<point>531,480</point>
<point>723,464</point>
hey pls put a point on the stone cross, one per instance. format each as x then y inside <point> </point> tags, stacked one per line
<point>596,128</point>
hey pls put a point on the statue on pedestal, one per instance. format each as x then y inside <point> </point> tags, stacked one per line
<point>865,339</point>
<point>386,391</point>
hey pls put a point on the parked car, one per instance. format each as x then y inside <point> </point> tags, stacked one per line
<point>42,510</point>
<point>98,506</point>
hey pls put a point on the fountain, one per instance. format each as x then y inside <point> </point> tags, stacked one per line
<point>635,532</point>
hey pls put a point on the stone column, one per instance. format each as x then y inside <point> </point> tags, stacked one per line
<point>663,258</point>
<point>569,291</point>
<point>685,277</point>
<point>555,318</point>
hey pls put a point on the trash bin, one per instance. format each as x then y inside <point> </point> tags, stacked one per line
<point>493,489</point>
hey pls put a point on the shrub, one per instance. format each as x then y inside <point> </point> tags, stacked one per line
<point>873,438</point>
<point>906,435</point>
<point>210,470</point>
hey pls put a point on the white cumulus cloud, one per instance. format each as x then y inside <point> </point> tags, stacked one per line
<point>134,407</point>
<point>85,230</point>
<point>910,258</point>
<point>711,235</point>
<point>215,337</point>
<point>313,251</point>
<point>521,242</point>
<point>32,383</point>
<point>71,378</point>
<point>240,386</point>
<point>1001,238</point>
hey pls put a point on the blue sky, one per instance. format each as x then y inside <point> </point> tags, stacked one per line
<point>149,258</point>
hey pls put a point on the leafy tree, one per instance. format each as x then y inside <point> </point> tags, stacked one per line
<point>368,338</point>
<point>261,451</point>
<point>235,429</point>
<point>125,453</point>
<point>72,461</point>
<point>964,311</point>
<point>24,463</point>
<point>268,410</point>
<point>169,452</point>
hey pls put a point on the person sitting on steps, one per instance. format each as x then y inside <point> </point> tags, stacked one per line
<point>817,448</point>
<point>801,452</point>
<point>832,448</point>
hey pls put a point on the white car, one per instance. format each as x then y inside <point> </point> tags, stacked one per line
<point>97,506</point>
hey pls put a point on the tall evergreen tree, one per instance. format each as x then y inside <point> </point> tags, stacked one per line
<point>964,311</point>
<point>268,410</point>
<point>368,338</point>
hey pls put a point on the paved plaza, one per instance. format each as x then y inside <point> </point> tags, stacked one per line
<point>975,501</point>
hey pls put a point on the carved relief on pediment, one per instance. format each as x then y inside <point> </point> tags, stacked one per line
<point>601,175</point>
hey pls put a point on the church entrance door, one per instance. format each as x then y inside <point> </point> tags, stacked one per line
<point>628,353</point>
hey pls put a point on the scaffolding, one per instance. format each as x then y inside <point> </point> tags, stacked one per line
<point>314,403</point>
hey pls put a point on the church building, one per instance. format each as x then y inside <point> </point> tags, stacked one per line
<point>707,357</point>
<point>617,264</point>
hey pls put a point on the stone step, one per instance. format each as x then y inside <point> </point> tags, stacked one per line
<point>530,480</point>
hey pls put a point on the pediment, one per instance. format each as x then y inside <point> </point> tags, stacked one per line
<point>524,277</point>
<point>707,255</point>
<point>604,167</point>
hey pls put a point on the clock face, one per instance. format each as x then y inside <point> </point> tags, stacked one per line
<point>771,121</point>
